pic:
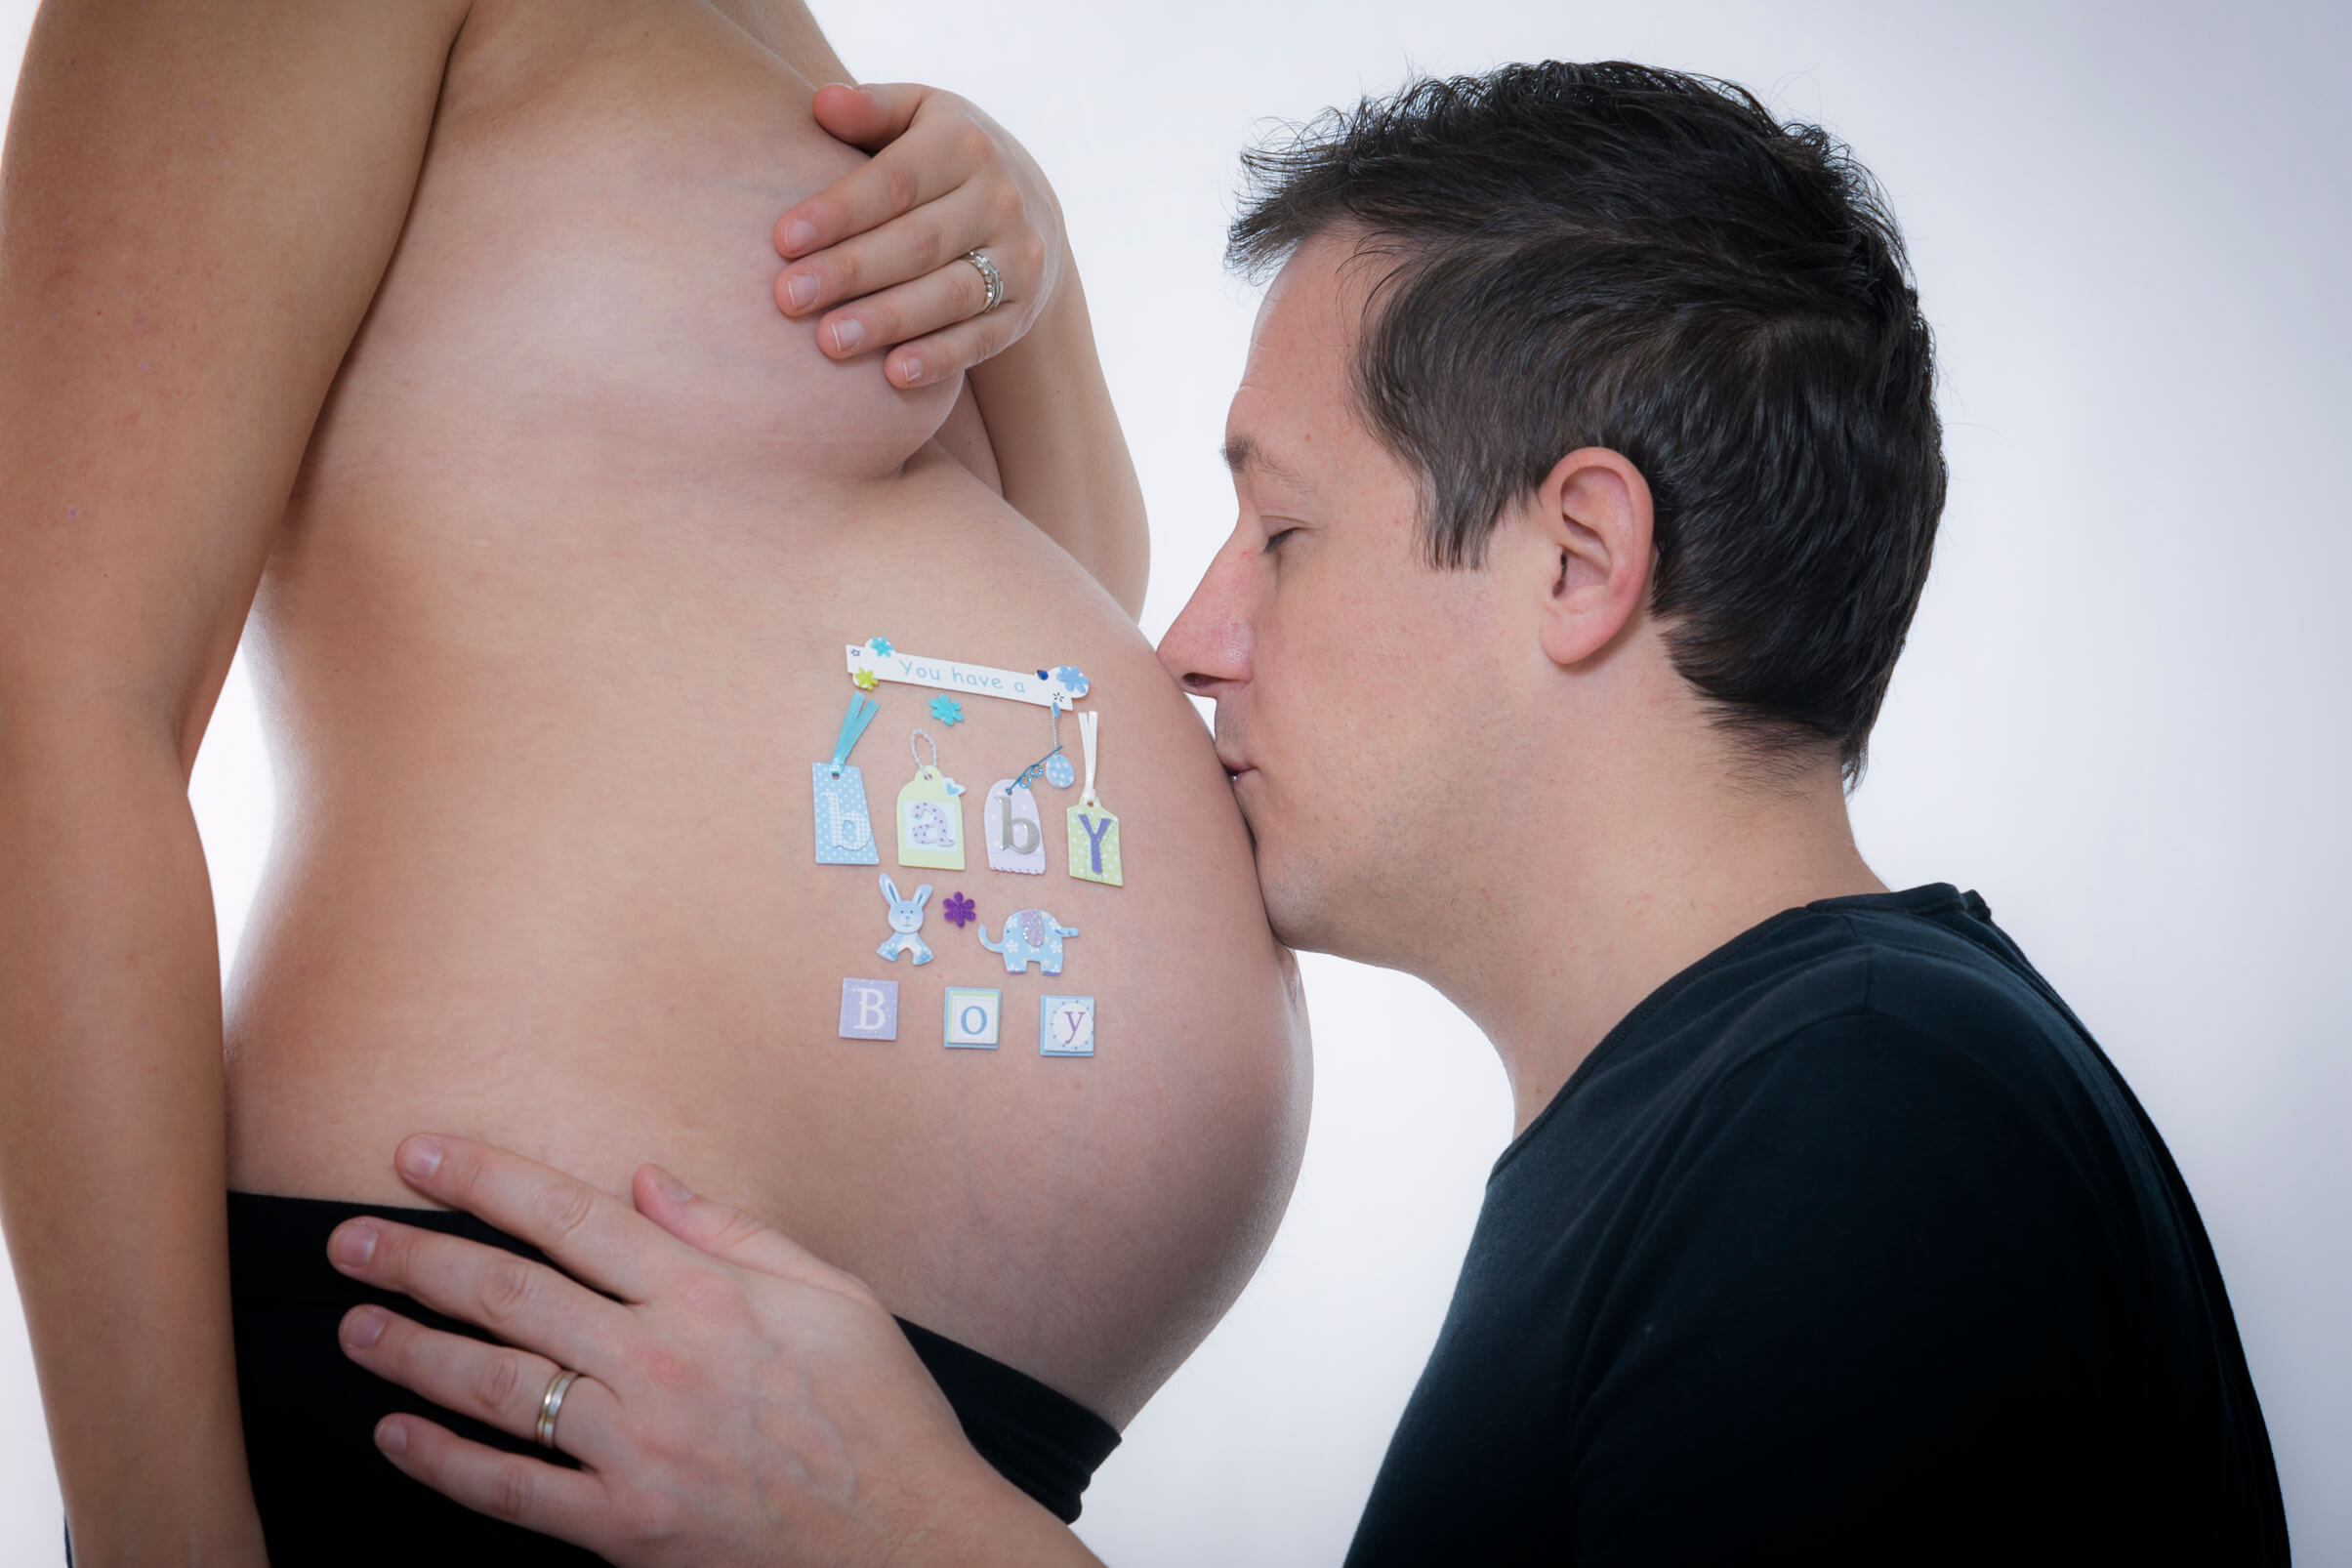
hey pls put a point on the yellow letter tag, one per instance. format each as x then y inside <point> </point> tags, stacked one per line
<point>930,816</point>
<point>1093,832</point>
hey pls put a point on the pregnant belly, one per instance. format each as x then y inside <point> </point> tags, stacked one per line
<point>549,876</point>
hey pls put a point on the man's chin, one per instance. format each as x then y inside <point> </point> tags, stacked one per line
<point>1296,905</point>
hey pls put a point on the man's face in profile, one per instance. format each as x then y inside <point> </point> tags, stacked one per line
<point>1346,669</point>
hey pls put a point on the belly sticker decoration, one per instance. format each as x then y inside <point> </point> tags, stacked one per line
<point>1014,831</point>
<point>931,836</point>
<point>970,1016</point>
<point>1065,1026</point>
<point>845,833</point>
<point>876,660</point>
<point>1093,831</point>
<point>869,1010</point>
<point>1031,936</point>
<point>906,918</point>
<point>930,814</point>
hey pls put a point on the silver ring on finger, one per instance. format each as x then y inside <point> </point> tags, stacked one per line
<point>990,276</point>
<point>550,1405</point>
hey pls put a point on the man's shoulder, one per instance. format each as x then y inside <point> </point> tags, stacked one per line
<point>1899,996</point>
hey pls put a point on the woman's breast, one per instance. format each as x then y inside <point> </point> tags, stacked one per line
<point>584,288</point>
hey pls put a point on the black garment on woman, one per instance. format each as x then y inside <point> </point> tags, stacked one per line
<point>327,1496</point>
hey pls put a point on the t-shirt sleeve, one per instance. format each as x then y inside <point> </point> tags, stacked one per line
<point>1866,1320</point>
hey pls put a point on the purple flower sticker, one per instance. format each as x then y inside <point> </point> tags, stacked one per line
<point>958,910</point>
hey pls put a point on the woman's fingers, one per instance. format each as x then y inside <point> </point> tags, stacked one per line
<point>519,1300</point>
<point>950,294</point>
<point>494,1384</point>
<point>868,116</point>
<point>569,1505</point>
<point>593,1235</point>
<point>906,249</point>
<point>733,1236</point>
<point>957,349</point>
<point>913,169</point>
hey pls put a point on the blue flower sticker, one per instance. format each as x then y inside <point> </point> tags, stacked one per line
<point>947,710</point>
<point>1072,678</point>
<point>881,646</point>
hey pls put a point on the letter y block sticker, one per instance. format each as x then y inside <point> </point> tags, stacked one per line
<point>1093,831</point>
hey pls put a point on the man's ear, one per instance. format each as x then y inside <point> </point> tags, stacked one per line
<point>1591,519</point>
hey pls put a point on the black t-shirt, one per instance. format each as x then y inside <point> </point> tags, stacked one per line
<point>1846,1246</point>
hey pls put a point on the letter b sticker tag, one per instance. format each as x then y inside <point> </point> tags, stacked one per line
<point>1093,832</point>
<point>1015,834</point>
<point>844,834</point>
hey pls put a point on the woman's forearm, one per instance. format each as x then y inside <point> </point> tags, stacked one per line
<point>1059,449</point>
<point>111,1138</point>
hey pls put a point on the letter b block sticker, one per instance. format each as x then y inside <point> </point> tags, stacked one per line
<point>869,1010</point>
<point>1093,832</point>
<point>971,1015</point>
<point>1065,1026</point>
<point>1016,835</point>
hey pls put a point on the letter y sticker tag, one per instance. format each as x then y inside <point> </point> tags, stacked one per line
<point>845,833</point>
<point>1093,832</point>
<point>930,814</point>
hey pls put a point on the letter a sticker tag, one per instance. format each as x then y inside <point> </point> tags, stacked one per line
<point>930,814</point>
<point>1093,832</point>
<point>845,833</point>
<point>1016,833</point>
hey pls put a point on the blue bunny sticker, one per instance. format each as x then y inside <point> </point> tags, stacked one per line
<point>906,918</point>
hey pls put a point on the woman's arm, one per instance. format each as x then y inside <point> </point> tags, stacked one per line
<point>196,206</point>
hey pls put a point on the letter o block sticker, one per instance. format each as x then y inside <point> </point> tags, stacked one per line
<point>1065,1026</point>
<point>970,1016</point>
<point>869,1010</point>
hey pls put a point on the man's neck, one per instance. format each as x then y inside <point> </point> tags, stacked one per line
<point>1658,872</point>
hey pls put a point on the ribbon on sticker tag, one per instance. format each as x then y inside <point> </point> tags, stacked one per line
<point>1014,831</point>
<point>845,832</point>
<point>1042,689</point>
<point>1093,832</point>
<point>930,814</point>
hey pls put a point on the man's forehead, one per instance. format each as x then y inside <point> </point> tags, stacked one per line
<point>1295,389</point>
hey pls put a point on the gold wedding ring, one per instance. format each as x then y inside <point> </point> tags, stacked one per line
<point>550,1405</point>
<point>990,276</point>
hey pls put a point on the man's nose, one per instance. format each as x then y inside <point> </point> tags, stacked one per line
<point>1207,647</point>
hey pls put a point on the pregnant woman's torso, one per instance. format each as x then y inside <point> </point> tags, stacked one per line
<point>553,633</point>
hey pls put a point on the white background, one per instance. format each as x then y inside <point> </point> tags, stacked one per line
<point>2120,717</point>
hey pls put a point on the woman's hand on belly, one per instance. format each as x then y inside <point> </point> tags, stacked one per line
<point>739,1402</point>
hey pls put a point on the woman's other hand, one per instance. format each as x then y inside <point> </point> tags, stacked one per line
<point>881,251</point>
<point>739,1401</point>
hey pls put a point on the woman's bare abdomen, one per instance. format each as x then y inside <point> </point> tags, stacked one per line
<point>552,637</point>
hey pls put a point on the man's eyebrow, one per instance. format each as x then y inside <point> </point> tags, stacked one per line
<point>1242,454</point>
